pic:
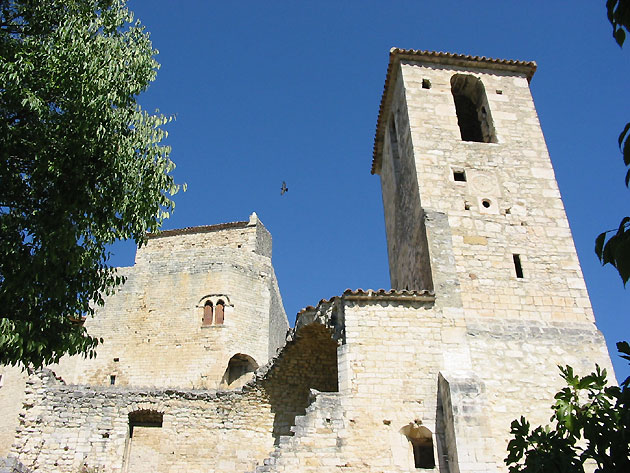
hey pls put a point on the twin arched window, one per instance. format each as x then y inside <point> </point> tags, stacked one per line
<point>212,313</point>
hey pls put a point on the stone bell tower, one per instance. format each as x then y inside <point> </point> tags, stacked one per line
<point>473,214</point>
<point>472,207</point>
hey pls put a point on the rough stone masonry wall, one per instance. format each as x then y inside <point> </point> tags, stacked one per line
<point>308,361</point>
<point>392,355</point>
<point>404,216</point>
<point>395,353</point>
<point>388,369</point>
<point>65,427</point>
<point>152,326</point>
<point>525,214</point>
<point>517,362</point>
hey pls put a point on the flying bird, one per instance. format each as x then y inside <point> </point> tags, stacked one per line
<point>284,188</point>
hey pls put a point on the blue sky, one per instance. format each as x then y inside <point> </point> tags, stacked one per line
<point>271,91</point>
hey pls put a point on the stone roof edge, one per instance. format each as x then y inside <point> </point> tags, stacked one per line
<point>396,54</point>
<point>376,295</point>
<point>198,229</point>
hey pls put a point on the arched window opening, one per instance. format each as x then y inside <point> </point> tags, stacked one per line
<point>239,370</point>
<point>421,442</point>
<point>220,310</point>
<point>473,112</point>
<point>207,314</point>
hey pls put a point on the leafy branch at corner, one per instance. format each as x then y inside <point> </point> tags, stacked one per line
<point>592,425</point>
<point>81,166</point>
<point>592,419</point>
<point>613,246</point>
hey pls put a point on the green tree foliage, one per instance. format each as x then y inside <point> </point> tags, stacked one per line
<point>592,425</point>
<point>613,246</point>
<point>81,166</point>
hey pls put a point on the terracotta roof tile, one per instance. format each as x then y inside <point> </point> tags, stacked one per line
<point>396,55</point>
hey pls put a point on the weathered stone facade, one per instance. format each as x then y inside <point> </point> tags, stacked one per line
<point>488,299</point>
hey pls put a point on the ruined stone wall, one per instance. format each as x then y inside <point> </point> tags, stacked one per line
<point>308,361</point>
<point>509,203</point>
<point>152,327</point>
<point>65,427</point>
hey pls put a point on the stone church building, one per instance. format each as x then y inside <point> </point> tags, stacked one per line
<point>200,372</point>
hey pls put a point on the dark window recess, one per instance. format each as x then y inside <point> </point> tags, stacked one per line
<point>471,105</point>
<point>144,418</point>
<point>219,314</point>
<point>486,203</point>
<point>239,365</point>
<point>207,314</point>
<point>517,266</point>
<point>469,125</point>
<point>116,360</point>
<point>426,84</point>
<point>466,206</point>
<point>499,92</point>
<point>459,176</point>
<point>393,138</point>
<point>423,454</point>
<point>112,380</point>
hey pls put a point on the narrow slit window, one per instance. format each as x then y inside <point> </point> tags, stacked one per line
<point>518,268</point>
<point>393,138</point>
<point>112,380</point>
